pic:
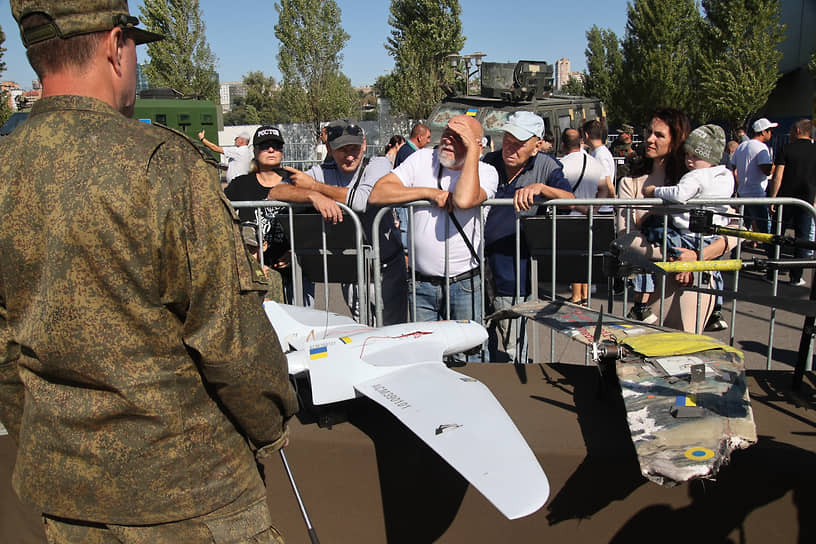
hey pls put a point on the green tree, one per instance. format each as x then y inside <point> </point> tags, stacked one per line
<point>242,115</point>
<point>424,32</point>
<point>261,92</point>
<point>183,60</point>
<point>574,86</point>
<point>658,56</point>
<point>313,88</point>
<point>739,62</point>
<point>5,107</point>
<point>604,67</point>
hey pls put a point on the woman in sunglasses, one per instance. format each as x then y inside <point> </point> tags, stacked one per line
<point>266,172</point>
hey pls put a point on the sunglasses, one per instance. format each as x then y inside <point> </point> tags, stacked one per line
<point>277,146</point>
<point>333,133</point>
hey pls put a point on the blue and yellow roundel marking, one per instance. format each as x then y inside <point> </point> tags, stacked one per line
<point>699,454</point>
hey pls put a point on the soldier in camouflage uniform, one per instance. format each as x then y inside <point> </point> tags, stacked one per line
<point>139,376</point>
<point>622,147</point>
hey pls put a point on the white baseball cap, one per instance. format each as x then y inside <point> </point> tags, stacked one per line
<point>523,125</point>
<point>763,124</point>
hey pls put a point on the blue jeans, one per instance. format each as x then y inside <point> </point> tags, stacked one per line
<point>465,303</point>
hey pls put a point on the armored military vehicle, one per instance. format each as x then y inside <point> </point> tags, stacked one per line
<point>509,87</point>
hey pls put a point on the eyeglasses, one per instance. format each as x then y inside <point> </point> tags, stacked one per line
<point>263,146</point>
<point>333,133</point>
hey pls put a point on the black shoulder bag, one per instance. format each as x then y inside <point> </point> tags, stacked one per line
<point>489,281</point>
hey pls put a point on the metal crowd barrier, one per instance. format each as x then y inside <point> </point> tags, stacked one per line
<point>371,255</point>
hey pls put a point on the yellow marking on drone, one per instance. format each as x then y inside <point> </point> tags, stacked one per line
<point>686,400</point>
<point>746,234</point>
<point>318,353</point>
<point>345,339</point>
<point>699,454</point>
<point>700,266</point>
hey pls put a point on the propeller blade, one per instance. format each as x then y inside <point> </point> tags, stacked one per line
<point>597,336</point>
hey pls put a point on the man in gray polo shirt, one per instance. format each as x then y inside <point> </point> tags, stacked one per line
<point>349,179</point>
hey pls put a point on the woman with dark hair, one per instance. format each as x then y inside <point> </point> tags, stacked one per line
<point>393,146</point>
<point>663,164</point>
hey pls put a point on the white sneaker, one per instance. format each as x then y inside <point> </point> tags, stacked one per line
<point>799,283</point>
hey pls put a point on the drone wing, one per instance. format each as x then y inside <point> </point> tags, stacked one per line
<point>461,420</point>
<point>297,326</point>
<point>578,322</point>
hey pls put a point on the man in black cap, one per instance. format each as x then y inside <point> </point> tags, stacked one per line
<point>139,375</point>
<point>349,178</point>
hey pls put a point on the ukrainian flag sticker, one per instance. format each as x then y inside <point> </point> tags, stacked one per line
<point>699,454</point>
<point>685,400</point>
<point>472,112</point>
<point>318,353</point>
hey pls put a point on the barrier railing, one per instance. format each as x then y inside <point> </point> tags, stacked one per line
<point>590,251</point>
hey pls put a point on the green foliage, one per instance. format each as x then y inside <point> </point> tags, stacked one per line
<point>812,64</point>
<point>717,66</point>
<point>738,67</point>
<point>658,55</point>
<point>261,91</point>
<point>314,89</point>
<point>574,86</point>
<point>424,32</point>
<point>242,115</point>
<point>5,107</point>
<point>604,67</point>
<point>183,60</point>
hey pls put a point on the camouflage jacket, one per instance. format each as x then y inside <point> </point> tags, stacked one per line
<point>137,367</point>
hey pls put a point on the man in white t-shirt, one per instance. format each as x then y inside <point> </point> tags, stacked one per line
<point>594,135</point>
<point>238,158</point>
<point>454,179</point>
<point>752,166</point>
<point>588,179</point>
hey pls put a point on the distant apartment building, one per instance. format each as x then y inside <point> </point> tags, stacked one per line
<point>562,72</point>
<point>230,90</point>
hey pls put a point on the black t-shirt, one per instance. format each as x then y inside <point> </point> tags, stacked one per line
<point>799,176</point>
<point>247,188</point>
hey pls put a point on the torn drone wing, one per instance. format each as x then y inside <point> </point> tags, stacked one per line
<point>461,420</point>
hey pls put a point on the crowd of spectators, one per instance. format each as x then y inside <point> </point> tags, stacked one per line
<point>441,277</point>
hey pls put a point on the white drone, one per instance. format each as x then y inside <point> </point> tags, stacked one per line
<point>400,367</point>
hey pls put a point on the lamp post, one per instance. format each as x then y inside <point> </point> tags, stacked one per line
<point>474,59</point>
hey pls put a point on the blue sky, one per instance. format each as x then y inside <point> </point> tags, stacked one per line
<point>241,34</point>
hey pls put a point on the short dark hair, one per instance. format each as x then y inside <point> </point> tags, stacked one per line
<point>56,54</point>
<point>571,139</point>
<point>594,129</point>
<point>548,137</point>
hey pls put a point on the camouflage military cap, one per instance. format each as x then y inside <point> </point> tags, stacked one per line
<point>76,17</point>
<point>625,127</point>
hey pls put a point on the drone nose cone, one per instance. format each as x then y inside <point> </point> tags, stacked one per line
<point>463,336</point>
